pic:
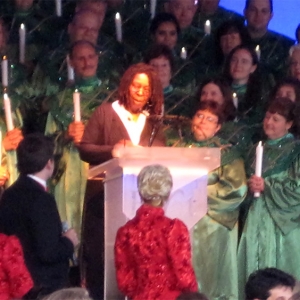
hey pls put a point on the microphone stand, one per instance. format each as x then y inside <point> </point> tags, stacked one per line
<point>157,122</point>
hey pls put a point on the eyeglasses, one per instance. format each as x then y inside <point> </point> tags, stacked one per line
<point>145,89</point>
<point>209,119</point>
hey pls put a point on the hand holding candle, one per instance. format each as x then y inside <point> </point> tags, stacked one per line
<point>258,163</point>
<point>22,43</point>
<point>4,71</point>
<point>118,22</point>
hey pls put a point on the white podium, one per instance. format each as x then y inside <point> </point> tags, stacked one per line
<point>188,201</point>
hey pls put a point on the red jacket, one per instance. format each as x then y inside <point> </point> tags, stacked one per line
<point>15,280</point>
<point>153,256</point>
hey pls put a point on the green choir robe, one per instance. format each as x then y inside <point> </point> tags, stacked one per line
<point>215,236</point>
<point>69,179</point>
<point>270,235</point>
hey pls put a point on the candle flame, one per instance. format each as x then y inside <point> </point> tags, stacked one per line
<point>234,95</point>
<point>257,48</point>
<point>260,144</point>
<point>183,49</point>
<point>5,96</point>
<point>207,23</point>
<point>76,91</point>
<point>118,16</point>
<point>4,57</point>
<point>22,26</point>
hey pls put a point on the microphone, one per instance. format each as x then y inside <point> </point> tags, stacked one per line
<point>65,227</point>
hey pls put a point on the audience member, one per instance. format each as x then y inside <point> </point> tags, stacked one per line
<point>295,62</point>
<point>153,252</point>
<point>269,284</point>
<point>28,211</point>
<point>287,88</point>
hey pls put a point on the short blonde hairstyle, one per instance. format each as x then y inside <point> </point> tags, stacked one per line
<point>155,184</point>
<point>75,293</point>
<point>294,48</point>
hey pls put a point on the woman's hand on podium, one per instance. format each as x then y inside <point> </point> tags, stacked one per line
<point>116,152</point>
<point>75,131</point>
<point>12,139</point>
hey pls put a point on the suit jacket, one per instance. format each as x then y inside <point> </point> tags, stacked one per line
<point>30,213</point>
<point>153,257</point>
<point>104,130</point>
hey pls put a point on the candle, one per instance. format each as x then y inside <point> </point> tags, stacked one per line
<point>22,42</point>
<point>257,50</point>
<point>76,102</point>
<point>207,27</point>
<point>8,116</point>
<point>152,8</point>
<point>58,7</point>
<point>183,53</point>
<point>71,75</point>
<point>4,70</point>
<point>258,163</point>
<point>235,100</point>
<point>118,21</point>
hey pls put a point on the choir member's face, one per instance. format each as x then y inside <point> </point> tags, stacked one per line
<point>204,125</point>
<point>212,92</point>
<point>258,14</point>
<point>229,41</point>
<point>184,11</point>
<point>163,69</point>
<point>280,293</point>
<point>139,92</point>
<point>275,126</point>
<point>241,66</point>
<point>166,34</point>
<point>23,4</point>
<point>286,91</point>
<point>84,60</point>
<point>86,27</point>
<point>208,6</point>
<point>295,64</point>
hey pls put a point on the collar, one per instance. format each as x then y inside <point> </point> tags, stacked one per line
<point>275,142</point>
<point>38,180</point>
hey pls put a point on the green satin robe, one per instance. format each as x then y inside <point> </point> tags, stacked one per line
<point>69,179</point>
<point>270,237</point>
<point>215,236</point>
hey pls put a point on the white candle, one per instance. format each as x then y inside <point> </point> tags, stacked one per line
<point>183,53</point>
<point>22,42</point>
<point>4,70</point>
<point>71,75</point>
<point>8,116</point>
<point>152,8</point>
<point>118,21</point>
<point>207,27</point>
<point>76,102</point>
<point>258,163</point>
<point>235,100</point>
<point>58,7</point>
<point>257,50</point>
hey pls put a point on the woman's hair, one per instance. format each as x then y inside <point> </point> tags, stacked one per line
<point>228,106</point>
<point>155,184</point>
<point>163,18</point>
<point>295,84</point>
<point>69,294</point>
<point>155,102</point>
<point>214,108</point>
<point>228,27</point>
<point>284,107</point>
<point>156,51</point>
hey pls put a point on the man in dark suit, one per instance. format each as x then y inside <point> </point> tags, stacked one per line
<point>28,211</point>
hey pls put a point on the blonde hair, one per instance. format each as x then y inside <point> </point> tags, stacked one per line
<point>155,184</point>
<point>75,293</point>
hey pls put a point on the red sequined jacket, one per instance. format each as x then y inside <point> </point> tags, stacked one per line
<point>153,256</point>
<point>15,280</point>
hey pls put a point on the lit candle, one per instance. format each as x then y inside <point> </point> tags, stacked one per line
<point>8,116</point>
<point>118,21</point>
<point>257,50</point>
<point>71,75</point>
<point>76,102</point>
<point>58,7</point>
<point>4,70</point>
<point>183,53</point>
<point>152,8</point>
<point>22,42</point>
<point>207,27</point>
<point>235,100</point>
<point>258,163</point>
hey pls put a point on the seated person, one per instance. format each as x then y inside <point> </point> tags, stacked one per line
<point>269,284</point>
<point>153,252</point>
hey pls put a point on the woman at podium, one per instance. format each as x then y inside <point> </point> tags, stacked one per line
<point>130,120</point>
<point>215,236</point>
<point>153,252</point>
